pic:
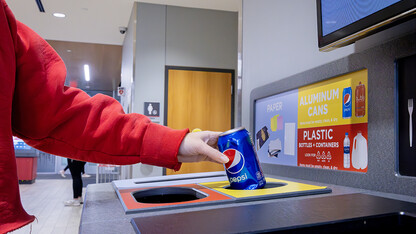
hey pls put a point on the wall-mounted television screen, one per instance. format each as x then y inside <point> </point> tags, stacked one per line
<point>342,22</point>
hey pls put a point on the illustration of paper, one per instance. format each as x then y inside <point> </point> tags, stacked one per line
<point>289,144</point>
<point>275,147</point>
<point>276,123</point>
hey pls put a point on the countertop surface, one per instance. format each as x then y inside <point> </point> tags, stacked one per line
<point>103,212</point>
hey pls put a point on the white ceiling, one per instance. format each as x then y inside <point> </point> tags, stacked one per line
<point>94,21</point>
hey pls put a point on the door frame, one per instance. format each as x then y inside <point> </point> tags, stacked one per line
<point>167,68</point>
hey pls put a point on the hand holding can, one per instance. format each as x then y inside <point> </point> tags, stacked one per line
<point>243,168</point>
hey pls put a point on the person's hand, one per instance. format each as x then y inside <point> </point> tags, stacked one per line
<point>201,146</point>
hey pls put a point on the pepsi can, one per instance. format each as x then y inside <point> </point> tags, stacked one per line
<point>347,103</point>
<point>243,169</point>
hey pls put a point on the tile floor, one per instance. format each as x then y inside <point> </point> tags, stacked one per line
<point>44,199</point>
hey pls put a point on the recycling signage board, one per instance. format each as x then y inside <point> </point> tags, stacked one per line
<point>322,125</point>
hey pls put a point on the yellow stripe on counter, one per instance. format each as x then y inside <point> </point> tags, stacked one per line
<point>290,187</point>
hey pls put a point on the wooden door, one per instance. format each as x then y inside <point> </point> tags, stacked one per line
<point>199,99</point>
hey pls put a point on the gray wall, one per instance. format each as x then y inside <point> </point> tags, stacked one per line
<point>376,53</point>
<point>176,36</point>
<point>201,38</point>
<point>279,40</point>
<point>149,74</point>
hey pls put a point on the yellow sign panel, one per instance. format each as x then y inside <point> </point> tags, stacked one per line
<point>288,187</point>
<point>321,104</point>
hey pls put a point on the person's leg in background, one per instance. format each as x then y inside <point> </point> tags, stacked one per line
<point>62,172</point>
<point>76,167</point>
<point>83,172</point>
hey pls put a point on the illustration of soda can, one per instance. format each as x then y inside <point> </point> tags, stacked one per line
<point>243,169</point>
<point>360,100</point>
<point>347,103</point>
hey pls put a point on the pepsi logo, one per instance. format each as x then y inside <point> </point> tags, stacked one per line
<point>347,99</point>
<point>236,163</point>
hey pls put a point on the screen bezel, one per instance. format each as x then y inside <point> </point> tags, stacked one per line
<point>365,24</point>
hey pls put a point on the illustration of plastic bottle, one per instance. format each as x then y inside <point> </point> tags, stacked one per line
<point>347,161</point>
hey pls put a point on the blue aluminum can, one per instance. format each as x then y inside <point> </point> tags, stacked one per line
<point>347,103</point>
<point>243,169</point>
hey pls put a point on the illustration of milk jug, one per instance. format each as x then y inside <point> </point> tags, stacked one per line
<point>359,152</point>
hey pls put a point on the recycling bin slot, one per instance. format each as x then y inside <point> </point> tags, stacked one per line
<point>267,186</point>
<point>168,195</point>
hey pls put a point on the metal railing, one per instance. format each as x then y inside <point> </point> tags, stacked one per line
<point>107,173</point>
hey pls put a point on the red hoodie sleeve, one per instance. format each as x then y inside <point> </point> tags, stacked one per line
<point>66,121</point>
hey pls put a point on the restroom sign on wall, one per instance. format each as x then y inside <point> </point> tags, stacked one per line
<point>152,109</point>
